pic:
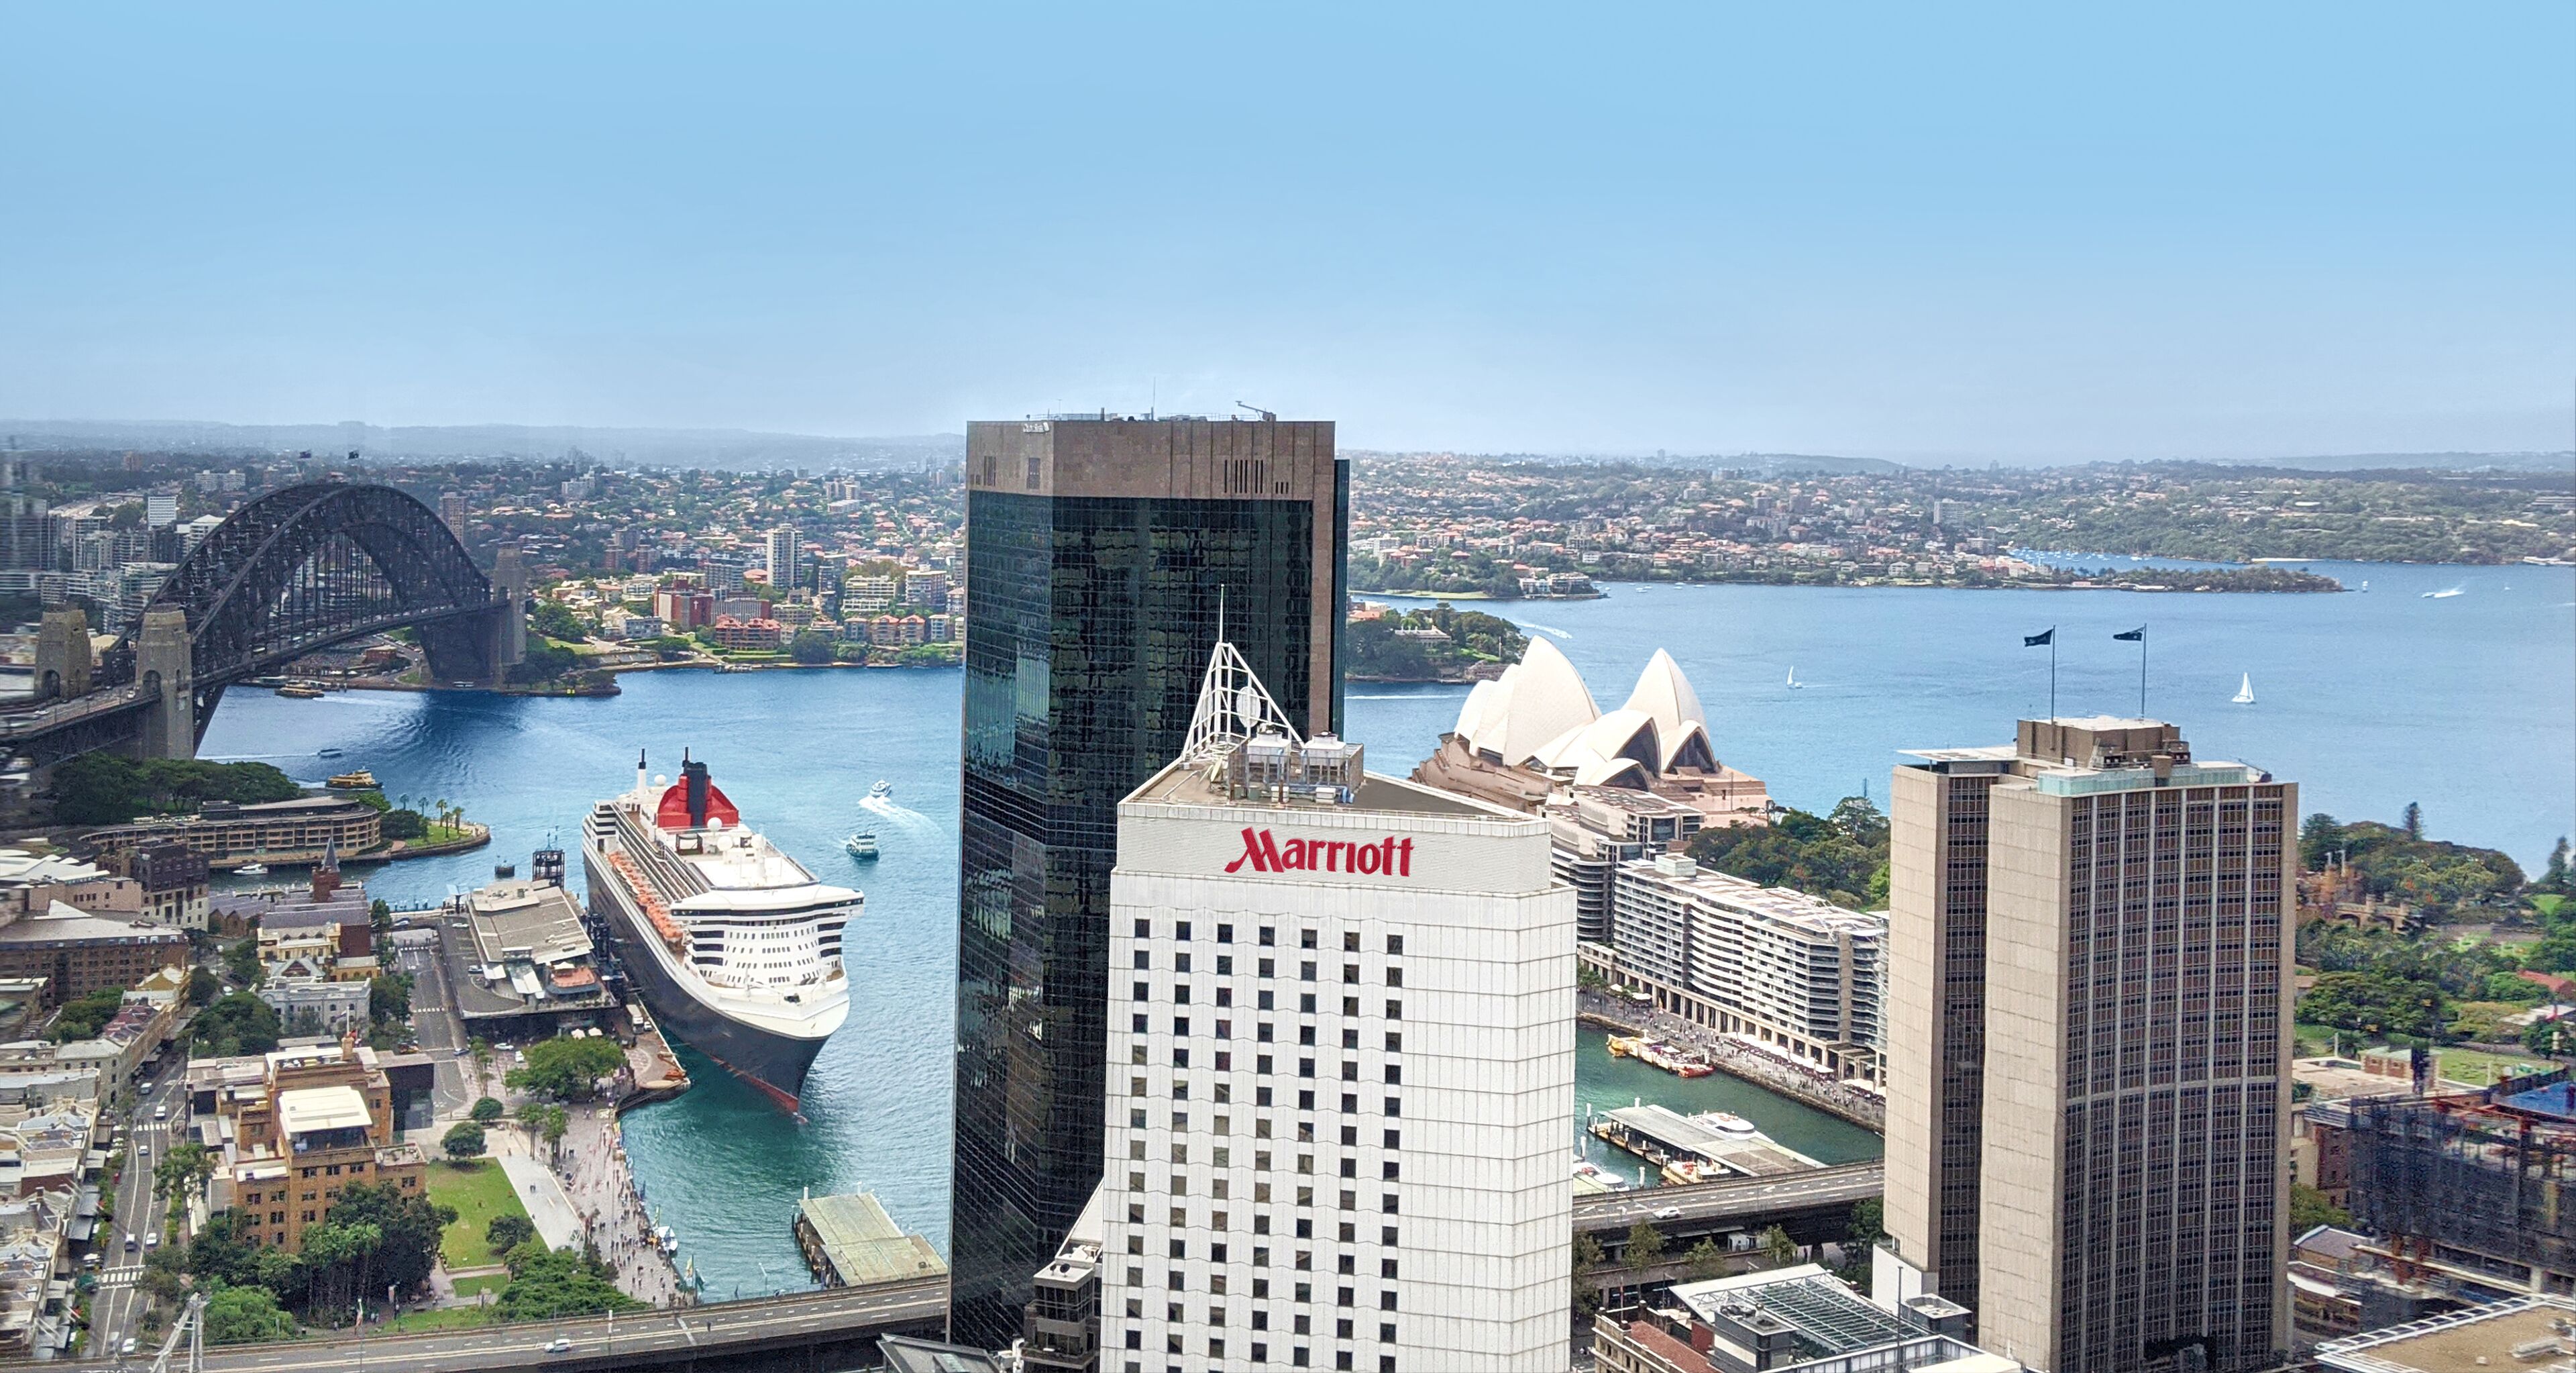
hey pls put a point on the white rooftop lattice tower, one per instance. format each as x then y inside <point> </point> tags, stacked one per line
<point>1233,707</point>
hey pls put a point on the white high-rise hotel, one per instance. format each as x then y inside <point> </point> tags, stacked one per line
<point>1341,1063</point>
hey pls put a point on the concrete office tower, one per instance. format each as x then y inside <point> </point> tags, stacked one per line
<point>1099,553</point>
<point>783,564</point>
<point>1342,1066</point>
<point>2089,1101</point>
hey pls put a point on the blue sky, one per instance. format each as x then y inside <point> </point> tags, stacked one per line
<point>1939,233</point>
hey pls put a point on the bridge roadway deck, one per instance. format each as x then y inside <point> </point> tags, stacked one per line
<point>807,1332</point>
<point>1709,1206</point>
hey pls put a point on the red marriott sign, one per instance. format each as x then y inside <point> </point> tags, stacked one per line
<point>1388,857</point>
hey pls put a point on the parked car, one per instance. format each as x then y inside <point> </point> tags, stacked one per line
<point>127,1348</point>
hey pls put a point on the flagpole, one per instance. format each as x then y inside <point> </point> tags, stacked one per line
<point>2052,672</point>
<point>2142,672</point>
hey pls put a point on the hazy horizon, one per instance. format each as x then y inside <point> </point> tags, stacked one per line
<point>196,435</point>
<point>2033,235</point>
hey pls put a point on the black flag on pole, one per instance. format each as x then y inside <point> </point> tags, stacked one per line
<point>2046,636</point>
<point>2135,636</point>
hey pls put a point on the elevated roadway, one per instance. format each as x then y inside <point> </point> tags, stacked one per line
<point>807,1332</point>
<point>1814,1207</point>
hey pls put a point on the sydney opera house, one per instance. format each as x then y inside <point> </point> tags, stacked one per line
<point>1536,736</point>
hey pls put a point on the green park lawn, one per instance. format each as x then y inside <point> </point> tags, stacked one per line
<point>2478,1067</point>
<point>479,1191</point>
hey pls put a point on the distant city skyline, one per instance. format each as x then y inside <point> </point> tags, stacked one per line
<point>2225,234</point>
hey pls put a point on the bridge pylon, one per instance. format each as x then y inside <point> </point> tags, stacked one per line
<point>62,655</point>
<point>510,626</point>
<point>165,670</point>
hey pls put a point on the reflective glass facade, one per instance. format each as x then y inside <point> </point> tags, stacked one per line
<point>1089,621</point>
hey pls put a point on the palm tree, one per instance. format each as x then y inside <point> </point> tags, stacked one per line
<point>481,1049</point>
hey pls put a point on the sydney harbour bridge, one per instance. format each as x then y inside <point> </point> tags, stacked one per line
<point>296,570</point>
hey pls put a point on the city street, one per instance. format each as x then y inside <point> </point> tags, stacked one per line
<point>433,1017</point>
<point>116,1307</point>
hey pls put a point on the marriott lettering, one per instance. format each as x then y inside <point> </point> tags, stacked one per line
<point>1390,857</point>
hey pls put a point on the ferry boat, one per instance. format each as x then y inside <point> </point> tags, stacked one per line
<point>300,692</point>
<point>253,868</point>
<point>735,946</point>
<point>1656,1055</point>
<point>882,791</point>
<point>860,845</point>
<point>361,780</point>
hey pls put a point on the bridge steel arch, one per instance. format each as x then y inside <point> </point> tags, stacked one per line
<point>305,567</point>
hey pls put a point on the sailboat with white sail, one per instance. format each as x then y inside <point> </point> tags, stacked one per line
<point>1794,683</point>
<point>2245,691</point>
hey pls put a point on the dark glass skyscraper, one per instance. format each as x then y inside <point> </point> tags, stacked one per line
<point>1098,554</point>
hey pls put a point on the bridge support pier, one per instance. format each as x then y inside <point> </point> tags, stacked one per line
<point>510,627</point>
<point>62,655</point>
<point>164,666</point>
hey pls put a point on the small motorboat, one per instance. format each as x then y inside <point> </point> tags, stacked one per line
<point>251,869</point>
<point>328,752</point>
<point>860,845</point>
<point>882,791</point>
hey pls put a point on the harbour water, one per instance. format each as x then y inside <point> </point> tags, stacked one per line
<point>2371,701</point>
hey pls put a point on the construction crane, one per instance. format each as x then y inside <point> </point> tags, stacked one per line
<point>191,1323</point>
<point>1266,416</point>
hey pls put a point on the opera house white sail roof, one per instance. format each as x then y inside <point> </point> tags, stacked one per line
<point>1540,715</point>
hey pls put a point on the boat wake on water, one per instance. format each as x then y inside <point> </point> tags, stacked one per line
<point>1543,629</point>
<point>903,817</point>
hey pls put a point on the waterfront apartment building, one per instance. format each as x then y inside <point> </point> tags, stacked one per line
<point>227,835</point>
<point>2087,1131</point>
<point>1777,969</point>
<point>1101,554</point>
<point>1341,1033</point>
<point>1596,830</point>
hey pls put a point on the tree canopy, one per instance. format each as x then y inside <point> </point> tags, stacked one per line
<point>245,1315</point>
<point>546,1283</point>
<point>2395,862</point>
<point>83,1017</point>
<point>1841,858</point>
<point>236,1023</point>
<point>407,1227</point>
<point>567,1068</point>
<point>2378,1003</point>
<point>104,789</point>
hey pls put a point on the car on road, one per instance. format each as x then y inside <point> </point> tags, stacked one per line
<point>92,1261</point>
<point>151,1239</point>
<point>161,1112</point>
<point>559,1345</point>
<point>1668,1213</point>
<point>131,1242</point>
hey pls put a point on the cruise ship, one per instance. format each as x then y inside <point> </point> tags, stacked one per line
<point>735,946</point>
